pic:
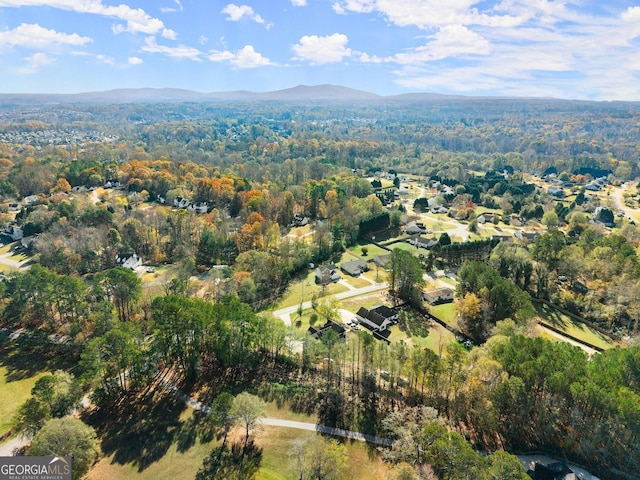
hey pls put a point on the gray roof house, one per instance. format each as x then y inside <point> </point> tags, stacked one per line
<point>354,267</point>
<point>326,274</point>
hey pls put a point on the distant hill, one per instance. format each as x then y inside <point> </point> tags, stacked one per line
<point>300,93</point>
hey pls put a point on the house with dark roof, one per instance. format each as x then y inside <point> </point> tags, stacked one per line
<point>299,220</point>
<point>381,260</point>
<point>438,295</point>
<point>128,260</point>
<point>553,471</point>
<point>377,319</point>
<point>354,267</point>
<point>326,274</point>
<point>329,325</point>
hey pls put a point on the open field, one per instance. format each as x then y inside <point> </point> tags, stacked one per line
<point>572,327</point>
<point>19,371</point>
<point>184,450</point>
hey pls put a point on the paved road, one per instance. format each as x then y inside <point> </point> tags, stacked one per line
<point>285,313</point>
<point>618,198</point>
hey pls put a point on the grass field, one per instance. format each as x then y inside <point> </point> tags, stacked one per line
<point>304,289</point>
<point>572,327</point>
<point>183,456</point>
<point>19,371</point>
<point>445,312</point>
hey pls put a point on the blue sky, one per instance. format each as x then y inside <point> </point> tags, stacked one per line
<point>584,49</point>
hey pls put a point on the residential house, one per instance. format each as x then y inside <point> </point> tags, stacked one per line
<point>30,199</point>
<point>181,202</point>
<point>486,218</point>
<point>326,274</point>
<point>526,237</point>
<point>128,260</point>
<point>439,209</point>
<point>14,232</point>
<point>439,295</point>
<point>112,184</point>
<point>160,199</point>
<point>199,207</point>
<point>381,260</point>
<point>329,325</point>
<point>412,228</point>
<point>377,319</point>
<point>79,189</point>
<point>423,242</point>
<point>556,192</point>
<point>299,220</point>
<point>15,207</point>
<point>354,267</point>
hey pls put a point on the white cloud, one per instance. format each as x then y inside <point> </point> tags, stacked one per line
<point>449,41</point>
<point>247,57</point>
<point>320,50</point>
<point>427,13</point>
<point>37,37</point>
<point>299,3</point>
<point>181,51</point>
<point>134,60</point>
<point>177,8</point>
<point>244,58</point>
<point>105,59</point>
<point>34,63</point>
<point>136,20</point>
<point>236,13</point>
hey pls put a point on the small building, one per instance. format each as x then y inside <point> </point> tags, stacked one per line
<point>326,274</point>
<point>181,202</point>
<point>553,471</point>
<point>329,325</point>
<point>160,199</point>
<point>525,237</point>
<point>381,260</point>
<point>299,220</point>
<point>413,228</point>
<point>111,184</point>
<point>80,189</point>
<point>128,260</point>
<point>30,199</point>
<point>378,318</point>
<point>15,207</point>
<point>355,267</point>
<point>439,209</point>
<point>580,288</point>
<point>14,232</point>
<point>438,295</point>
<point>556,192</point>
<point>199,207</point>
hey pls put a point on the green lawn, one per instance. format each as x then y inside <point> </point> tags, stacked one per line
<point>19,371</point>
<point>183,456</point>
<point>572,327</point>
<point>304,289</point>
<point>373,250</point>
<point>445,312</point>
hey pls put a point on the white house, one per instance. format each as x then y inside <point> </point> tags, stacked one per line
<point>14,232</point>
<point>128,260</point>
<point>200,207</point>
<point>181,202</point>
<point>439,295</point>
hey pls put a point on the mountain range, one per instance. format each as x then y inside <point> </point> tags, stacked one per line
<point>300,93</point>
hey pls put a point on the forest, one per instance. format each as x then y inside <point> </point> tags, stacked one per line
<point>272,190</point>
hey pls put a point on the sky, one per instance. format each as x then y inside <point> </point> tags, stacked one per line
<point>575,49</point>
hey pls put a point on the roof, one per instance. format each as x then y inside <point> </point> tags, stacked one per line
<point>329,325</point>
<point>354,267</point>
<point>439,292</point>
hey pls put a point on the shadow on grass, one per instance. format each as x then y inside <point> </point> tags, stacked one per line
<point>26,357</point>
<point>242,462</point>
<point>139,429</point>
